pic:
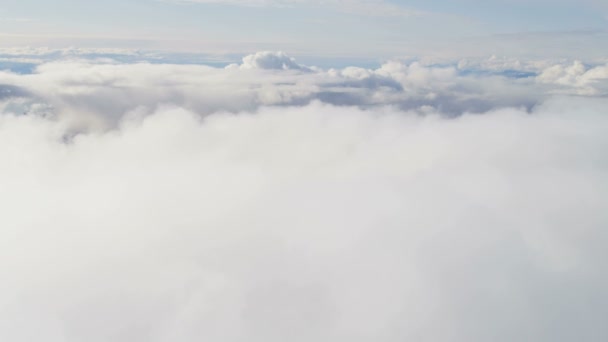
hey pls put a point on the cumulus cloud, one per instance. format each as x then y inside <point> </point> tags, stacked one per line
<point>272,201</point>
<point>269,60</point>
<point>96,93</point>
<point>307,223</point>
<point>583,79</point>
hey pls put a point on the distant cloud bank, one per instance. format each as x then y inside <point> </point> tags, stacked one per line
<point>98,89</point>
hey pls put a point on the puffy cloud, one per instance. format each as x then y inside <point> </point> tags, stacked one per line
<point>96,93</point>
<point>577,76</point>
<point>269,60</point>
<point>271,201</point>
<point>305,223</point>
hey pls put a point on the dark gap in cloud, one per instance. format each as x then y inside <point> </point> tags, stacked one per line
<point>8,91</point>
<point>509,73</point>
<point>18,67</point>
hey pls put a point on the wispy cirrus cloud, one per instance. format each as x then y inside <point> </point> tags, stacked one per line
<point>358,7</point>
<point>17,20</point>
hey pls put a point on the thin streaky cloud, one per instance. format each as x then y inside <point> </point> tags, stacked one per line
<point>357,7</point>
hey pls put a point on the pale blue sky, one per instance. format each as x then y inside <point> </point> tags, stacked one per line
<point>329,27</point>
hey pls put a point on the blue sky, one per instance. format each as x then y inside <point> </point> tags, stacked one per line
<point>330,27</point>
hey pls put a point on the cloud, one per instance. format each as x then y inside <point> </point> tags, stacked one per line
<point>359,7</point>
<point>17,20</point>
<point>268,60</point>
<point>578,76</point>
<point>304,223</point>
<point>247,3</point>
<point>96,93</point>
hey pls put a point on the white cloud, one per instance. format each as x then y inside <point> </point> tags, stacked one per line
<point>577,76</point>
<point>95,94</point>
<point>272,201</point>
<point>313,223</point>
<point>70,51</point>
<point>100,92</point>
<point>269,60</point>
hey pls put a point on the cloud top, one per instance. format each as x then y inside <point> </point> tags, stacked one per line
<point>308,223</point>
<point>271,201</point>
<point>268,60</point>
<point>97,93</point>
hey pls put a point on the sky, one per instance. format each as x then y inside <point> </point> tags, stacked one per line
<point>286,170</point>
<point>330,28</point>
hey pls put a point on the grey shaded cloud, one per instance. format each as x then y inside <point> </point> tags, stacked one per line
<point>8,91</point>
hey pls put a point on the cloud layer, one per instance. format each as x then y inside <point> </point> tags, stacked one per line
<point>97,93</point>
<point>186,203</point>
